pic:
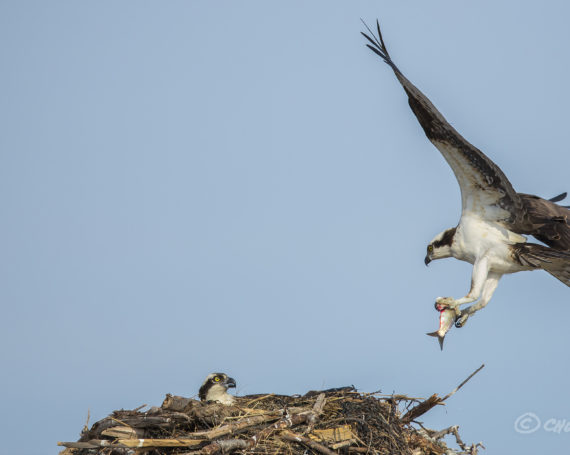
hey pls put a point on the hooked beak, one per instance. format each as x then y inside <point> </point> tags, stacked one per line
<point>427,260</point>
<point>231,383</point>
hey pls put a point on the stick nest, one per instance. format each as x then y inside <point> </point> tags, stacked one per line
<point>335,421</point>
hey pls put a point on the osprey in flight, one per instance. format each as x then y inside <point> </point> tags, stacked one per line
<point>215,388</point>
<point>494,216</point>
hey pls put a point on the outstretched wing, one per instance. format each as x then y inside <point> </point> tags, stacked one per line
<point>485,190</point>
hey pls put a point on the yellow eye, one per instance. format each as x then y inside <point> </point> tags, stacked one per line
<point>430,248</point>
<point>217,379</point>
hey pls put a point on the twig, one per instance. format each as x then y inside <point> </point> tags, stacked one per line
<point>224,446</point>
<point>319,404</point>
<point>316,412</point>
<point>235,427</point>
<point>451,430</point>
<point>269,395</point>
<point>290,436</point>
<point>454,430</point>
<point>181,415</point>
<point>343,444</point>
<point>463,383</point>
<point>86,426</point>
<point>177,403</point>
<point>80,445</point>
<point>150,442</point>
<point>421,408</point>
<point>434,400</point>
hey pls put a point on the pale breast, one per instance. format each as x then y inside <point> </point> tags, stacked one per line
<point>475,238</point>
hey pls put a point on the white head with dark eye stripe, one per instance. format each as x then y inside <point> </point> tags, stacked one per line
<point>440,246</point>
<point>215,388</point>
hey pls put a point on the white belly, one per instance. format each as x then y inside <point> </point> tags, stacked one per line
<point>475,238</point>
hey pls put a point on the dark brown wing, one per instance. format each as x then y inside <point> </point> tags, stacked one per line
<point>547,221</point>
<point>555,262</point>
<point>485,190</point>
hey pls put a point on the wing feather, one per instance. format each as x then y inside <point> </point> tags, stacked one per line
<point>555,262</point>
<point>485,190</point>
<point>548,221</point>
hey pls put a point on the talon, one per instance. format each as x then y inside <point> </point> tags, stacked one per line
<point>443,303</point>
<point>461,320</point>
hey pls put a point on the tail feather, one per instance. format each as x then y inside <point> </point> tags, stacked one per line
<point>559,198</point>
<point>555,262</point>
<point>562,273</point>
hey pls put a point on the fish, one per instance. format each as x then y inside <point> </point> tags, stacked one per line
<point>446,320</point>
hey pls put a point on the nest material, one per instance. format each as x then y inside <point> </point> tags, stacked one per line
<point>336,421</point>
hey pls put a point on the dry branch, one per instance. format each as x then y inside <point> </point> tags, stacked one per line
<point>421,408</point>
<point>434,400</point>
<point>294,437</point>
<point>176,403</point>
<point>454,430</point>
<point>463,383</point>
<point>123,432</point>
<point>236,427</point>
<point>224,446</point>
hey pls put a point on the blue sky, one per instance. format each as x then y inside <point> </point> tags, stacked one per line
<point>189,187</point>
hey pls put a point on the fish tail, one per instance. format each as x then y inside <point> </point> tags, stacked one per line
<point>439,338</point>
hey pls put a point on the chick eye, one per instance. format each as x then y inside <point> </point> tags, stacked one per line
<point>217,379</point>
<point>430,248</point>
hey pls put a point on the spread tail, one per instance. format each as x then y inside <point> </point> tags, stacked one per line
<point>560,271</point>
<point>555,262</point>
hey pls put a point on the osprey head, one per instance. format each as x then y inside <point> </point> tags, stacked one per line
<point>215,388</point>
<point>440,246</point>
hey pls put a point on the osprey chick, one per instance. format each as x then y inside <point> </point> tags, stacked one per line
<point>215,388</point>
<point>494,216</point>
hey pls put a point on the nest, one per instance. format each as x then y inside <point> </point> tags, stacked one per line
<point>334,421</point>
